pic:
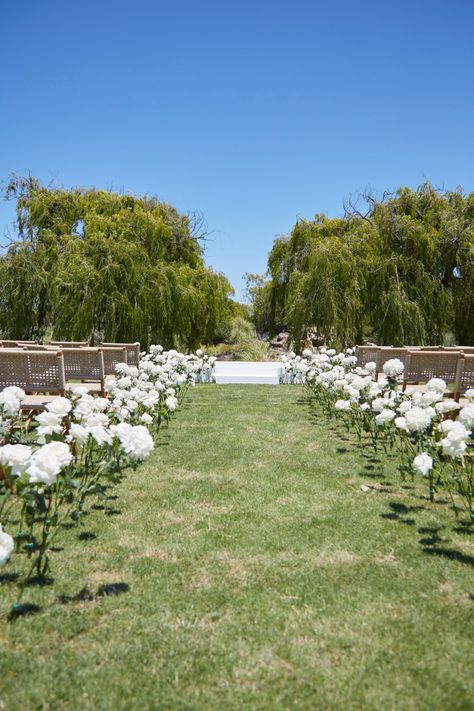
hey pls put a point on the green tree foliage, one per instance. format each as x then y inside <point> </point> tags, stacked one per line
<point>259,294</point>
<point>401,273</point>
<point>96,264</point>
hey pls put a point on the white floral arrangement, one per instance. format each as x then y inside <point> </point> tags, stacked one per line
<point>433,434</point>
<point>81,441</point>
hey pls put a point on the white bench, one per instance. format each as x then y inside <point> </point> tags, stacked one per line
<point>239,371</point>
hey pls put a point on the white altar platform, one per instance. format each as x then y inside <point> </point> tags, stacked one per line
<point>240,371</point>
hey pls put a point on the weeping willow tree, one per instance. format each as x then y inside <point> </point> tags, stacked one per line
<point>95,264</point>
<point>399,272</point>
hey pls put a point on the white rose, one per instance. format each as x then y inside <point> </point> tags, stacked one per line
<point>60,406</point>
<point>423,463</point>
<point>15,456</point>
<point>383,417</point>
<point>6,546</point>
<point>393,368</point>
<point>437,385</point>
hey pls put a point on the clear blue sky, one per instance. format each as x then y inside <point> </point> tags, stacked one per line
<point>254,112</point>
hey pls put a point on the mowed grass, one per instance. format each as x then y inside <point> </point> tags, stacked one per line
<point>243,567</point>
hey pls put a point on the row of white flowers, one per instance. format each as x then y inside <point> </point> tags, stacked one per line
<point>433,433</point>
<point>79,445</point>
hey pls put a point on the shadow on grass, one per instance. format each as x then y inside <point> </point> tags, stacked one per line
<point>87,536</point>
<point>451,554</point>
<point>399,512</point>
<point>22,610</point>
<point>465,529</point>
<point>8,578</point>
<point>85,595</point>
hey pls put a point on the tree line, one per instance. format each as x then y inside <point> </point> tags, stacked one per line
<point>92,264</point>
<point>400,271</point>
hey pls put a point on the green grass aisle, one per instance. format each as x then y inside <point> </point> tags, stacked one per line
<point>245,568</point>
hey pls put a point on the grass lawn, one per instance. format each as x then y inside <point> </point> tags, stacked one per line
<point>243,567</point>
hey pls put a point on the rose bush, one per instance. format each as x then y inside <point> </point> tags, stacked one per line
<point>80,444</point>
<point>432,435</point>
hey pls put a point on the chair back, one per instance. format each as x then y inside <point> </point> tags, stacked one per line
<point>17,344</point>
<point>33,371</point>
<point>84,364</point>
<point>464,375</point>
<point>133,350</point>
<point>421,366</point>
<point>388,353</point>
<point>366,354</point>
<point>69,344</point>
<point>112,356</point>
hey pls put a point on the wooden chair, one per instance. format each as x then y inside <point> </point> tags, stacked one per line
<point>112,356</point>
<point>133,350</point>
<point>388,353</point>
<point>69,344</point>
<point>421,366</point>
<point>464,376</point>
<point>39,373</point>
<point>17,344</point>
<point>87,366</point>
<point>366,354</point>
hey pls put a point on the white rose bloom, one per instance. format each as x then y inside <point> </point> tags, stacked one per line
<point>423,463</point>
<point>83,389</point>
<point>401,423</point>
<point>46,463</point>
<point>446,406</point>
<point>16,457</point>
<point>98,419</point>
<point>100,435</point>
<point>146,418</point>
<point>418,418</point>
<point>59,406</point>
<point>405,406</point>
<point>14,391</point>
<point>49,422</point>
<point>377,405</point>
<point>6,546</point>
<point>469,394</point>
<point>437,385</point>
<point>77,433</point>
<point>135,441</point>
<point>454,444</point>
<point>371,366</point>
<point>452,447</point>
<point>342,405</point>
<point>9,403</point>
<point>171,403</point>
<point>393,368</point>
<point>383,417</point>
<point>466,416</point>
<point>430,398</point>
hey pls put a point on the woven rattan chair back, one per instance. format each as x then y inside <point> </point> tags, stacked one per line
<point>69,344</point>
<point>423,365</point>
<point>112,356</point>
<point>17,344</point>
<point>84,364</point>
<point>464,375</point>
<point>33,371</point>
<point>133,350</point>
<point>388,353</point>
<point>367,354</point>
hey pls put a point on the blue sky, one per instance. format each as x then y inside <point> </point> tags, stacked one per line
<point>256,113</point>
